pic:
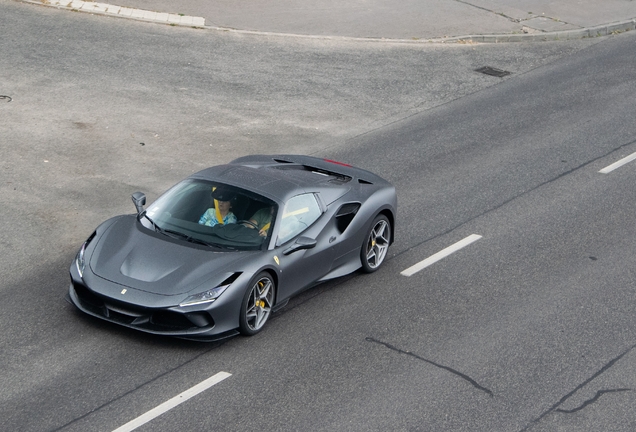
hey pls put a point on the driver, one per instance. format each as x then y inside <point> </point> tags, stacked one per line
<point>220,213</point>
<point>262,220</point>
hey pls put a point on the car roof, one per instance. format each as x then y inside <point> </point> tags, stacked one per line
<point>279,177</point>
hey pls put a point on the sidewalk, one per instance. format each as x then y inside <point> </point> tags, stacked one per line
<point>411,20</point>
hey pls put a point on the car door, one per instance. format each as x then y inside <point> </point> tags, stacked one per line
<point>302,218</point>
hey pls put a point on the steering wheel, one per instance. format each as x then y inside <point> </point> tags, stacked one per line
<point>250,223</point>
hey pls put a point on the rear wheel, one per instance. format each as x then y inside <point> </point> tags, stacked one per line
<point>257,304</point>
<point>376,244</point>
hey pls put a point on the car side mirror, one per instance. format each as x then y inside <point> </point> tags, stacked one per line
<point>139,199</point>
<point>301,243</point>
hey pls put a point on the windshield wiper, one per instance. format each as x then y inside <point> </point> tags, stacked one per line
<point>173,234</point>
<point>186,237</point>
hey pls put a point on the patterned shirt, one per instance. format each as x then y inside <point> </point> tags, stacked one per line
<point>209,218</point>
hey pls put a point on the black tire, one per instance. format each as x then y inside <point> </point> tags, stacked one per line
<point>376,244</point>
<point>257,304</point>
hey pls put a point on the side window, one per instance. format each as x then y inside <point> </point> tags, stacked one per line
<point>299,213</point>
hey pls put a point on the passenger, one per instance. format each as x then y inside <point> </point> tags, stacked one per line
<point>220,213</point>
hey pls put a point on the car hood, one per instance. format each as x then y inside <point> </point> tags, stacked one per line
<point>131,255</point>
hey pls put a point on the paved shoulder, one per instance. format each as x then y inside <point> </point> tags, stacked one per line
<point>413,20</point>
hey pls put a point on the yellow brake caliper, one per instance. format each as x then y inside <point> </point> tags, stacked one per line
<point>260,303</point>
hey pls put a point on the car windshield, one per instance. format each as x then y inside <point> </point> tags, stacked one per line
<point>212,213</point>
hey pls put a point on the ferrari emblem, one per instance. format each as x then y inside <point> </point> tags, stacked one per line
<point>123,291</point>
<point>276,259</point>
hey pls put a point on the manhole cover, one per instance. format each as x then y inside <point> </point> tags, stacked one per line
<point>493,71</point>
<point>5,98</point>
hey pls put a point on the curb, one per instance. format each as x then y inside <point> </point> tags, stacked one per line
<point>590,32</point>
<point>122,12</point>
<point>199,22</point>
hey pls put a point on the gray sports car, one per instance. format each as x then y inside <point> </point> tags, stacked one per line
<point>220,251</point>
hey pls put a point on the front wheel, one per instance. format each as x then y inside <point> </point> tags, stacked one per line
<point>257,304</point>
<point>376,244</point>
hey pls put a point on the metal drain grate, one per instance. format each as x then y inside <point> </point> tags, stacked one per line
<point>493,71</point>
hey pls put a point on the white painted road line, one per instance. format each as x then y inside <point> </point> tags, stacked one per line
<point>168,405</point>
<point>618,164</point>
<point>440,255</point>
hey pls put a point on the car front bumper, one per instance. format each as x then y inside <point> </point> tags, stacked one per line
<point>199,324</point>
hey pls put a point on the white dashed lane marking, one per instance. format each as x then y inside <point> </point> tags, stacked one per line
<point>177,400</point>
<point>440,255</point>
<point>618,164</point>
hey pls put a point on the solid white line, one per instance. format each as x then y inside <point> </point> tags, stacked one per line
<point>440,255</point>
<point>618,164</point>
<point>168,405</point>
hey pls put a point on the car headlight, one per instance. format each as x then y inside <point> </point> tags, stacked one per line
<point>80,261</point>
<point>205,297</point>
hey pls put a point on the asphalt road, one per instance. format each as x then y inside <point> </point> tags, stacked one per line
<point>529,328</point>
